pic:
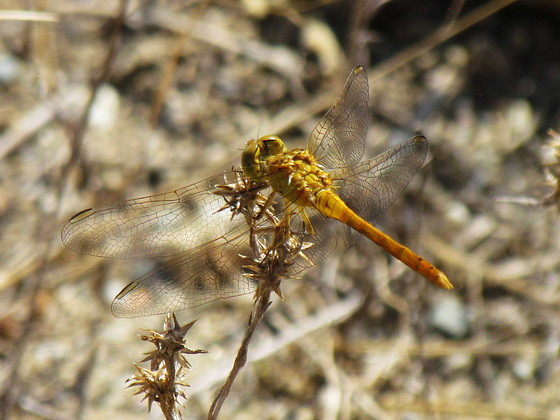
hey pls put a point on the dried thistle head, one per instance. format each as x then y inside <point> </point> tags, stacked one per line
<point>164,382</point>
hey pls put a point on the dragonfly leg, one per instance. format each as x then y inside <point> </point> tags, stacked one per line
<point>307,222</point>
<point>265,206</point>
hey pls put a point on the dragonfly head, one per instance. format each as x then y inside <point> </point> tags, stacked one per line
<point>256,153</point>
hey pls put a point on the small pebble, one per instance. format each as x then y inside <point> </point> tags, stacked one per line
<point>105,108</point>
<point>9,69</point>
<point>449,315</point>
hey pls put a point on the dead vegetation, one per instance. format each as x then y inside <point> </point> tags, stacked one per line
<point>105,100</point>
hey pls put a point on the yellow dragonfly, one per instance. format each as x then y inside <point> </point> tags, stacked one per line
<point>218,232</point>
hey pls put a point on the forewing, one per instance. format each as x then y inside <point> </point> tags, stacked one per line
<point>371,187</point>
<point>157,226</point>
<point>339,138</point>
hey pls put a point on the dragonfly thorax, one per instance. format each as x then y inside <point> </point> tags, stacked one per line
<point>294,174</point>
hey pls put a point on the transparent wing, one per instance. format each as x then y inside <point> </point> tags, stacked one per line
<point>371,187</point>
<point>339,138</point>
<point>225,268</point>
<point>218,229</point>
<point>157,226</point>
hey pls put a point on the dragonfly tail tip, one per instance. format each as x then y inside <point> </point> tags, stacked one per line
<point>443,282</point>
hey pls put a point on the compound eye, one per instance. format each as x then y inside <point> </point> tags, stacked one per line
<point>273,146</point>
<point>249,158</point>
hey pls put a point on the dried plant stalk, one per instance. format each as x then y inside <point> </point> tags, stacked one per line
<point>275,246</point>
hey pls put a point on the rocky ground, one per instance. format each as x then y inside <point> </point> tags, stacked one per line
<point>180,87</point>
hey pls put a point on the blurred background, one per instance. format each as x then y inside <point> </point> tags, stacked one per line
<point>102,101</point>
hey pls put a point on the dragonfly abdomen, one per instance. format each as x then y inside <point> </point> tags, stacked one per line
<point>331,205</point>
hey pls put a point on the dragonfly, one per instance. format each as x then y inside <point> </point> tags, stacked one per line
<point>218,232</point>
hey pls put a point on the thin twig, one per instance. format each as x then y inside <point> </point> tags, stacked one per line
<point>262,304</point>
